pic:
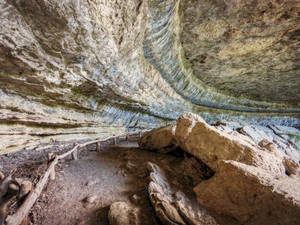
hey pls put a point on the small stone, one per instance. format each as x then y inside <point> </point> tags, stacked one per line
<point>90,199</point>
<point>91,182</point>
<point>136,199</point>
<point>25,188</point>
<point>121,213</point>
<point>13,187</point>
<point>1,175</point>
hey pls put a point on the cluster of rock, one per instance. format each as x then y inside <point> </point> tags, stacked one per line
<point>254,173</point>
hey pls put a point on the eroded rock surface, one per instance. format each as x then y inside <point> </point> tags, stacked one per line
<point>121,213</point>
<point>255,177</point>
<point>241,46</point>
<point>212,146</point>
<point>172,203</point>
<point>252,195</point>
<point>161,139</point>
<point>84,69</point>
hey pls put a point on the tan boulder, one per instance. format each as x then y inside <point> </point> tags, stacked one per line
<point>251,195</point>
<point>160,139</point>
<point>211,146</point>
<point>255,180</point>
<point>172,203</point>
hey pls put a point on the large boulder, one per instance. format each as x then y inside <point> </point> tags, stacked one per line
<point>254,175</point>
<point>212,146</point>
<point>172,203</point>
<point>160,139</point>
<point>255,182</point>
<point>251,195</point>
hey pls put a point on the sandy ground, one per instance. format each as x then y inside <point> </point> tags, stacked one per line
<point>116,173</point>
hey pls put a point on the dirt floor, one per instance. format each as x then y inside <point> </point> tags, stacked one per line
<point>85,188</point>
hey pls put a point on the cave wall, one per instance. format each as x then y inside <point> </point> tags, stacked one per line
<point>86,68</point>
<point>248,48</point>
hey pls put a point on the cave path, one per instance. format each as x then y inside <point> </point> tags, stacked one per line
<point>116,173</point>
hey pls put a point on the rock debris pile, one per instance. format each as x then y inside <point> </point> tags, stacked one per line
<point>246,174</point>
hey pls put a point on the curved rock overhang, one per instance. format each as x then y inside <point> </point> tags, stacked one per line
<point>163,47</point>
<point>78,69</point>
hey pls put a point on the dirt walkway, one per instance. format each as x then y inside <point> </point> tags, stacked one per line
<point>84,189</point>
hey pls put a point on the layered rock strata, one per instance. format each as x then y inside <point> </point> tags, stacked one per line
<point>244,47</point>
<point>172,202</point>
<point>96,68</point>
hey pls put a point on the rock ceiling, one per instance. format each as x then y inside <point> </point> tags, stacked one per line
<point>249,48</point>
<point>72,69</point>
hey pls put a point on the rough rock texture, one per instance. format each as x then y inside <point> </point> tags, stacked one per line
<point>75,67</point>
<point>212,146</point>
<point>166,42</point>
<point>172,204</point>
<point>284,138</point>
<point>251,195</point>
<point>102,67</point>
<point>256,171</point>
<point>121,213</point>
<point>244,47</point>
<point>160,139</point>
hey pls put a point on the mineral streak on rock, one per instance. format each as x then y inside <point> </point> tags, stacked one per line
<point>244,47</point>
<point>83,69</point>
<point>164,50</point>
